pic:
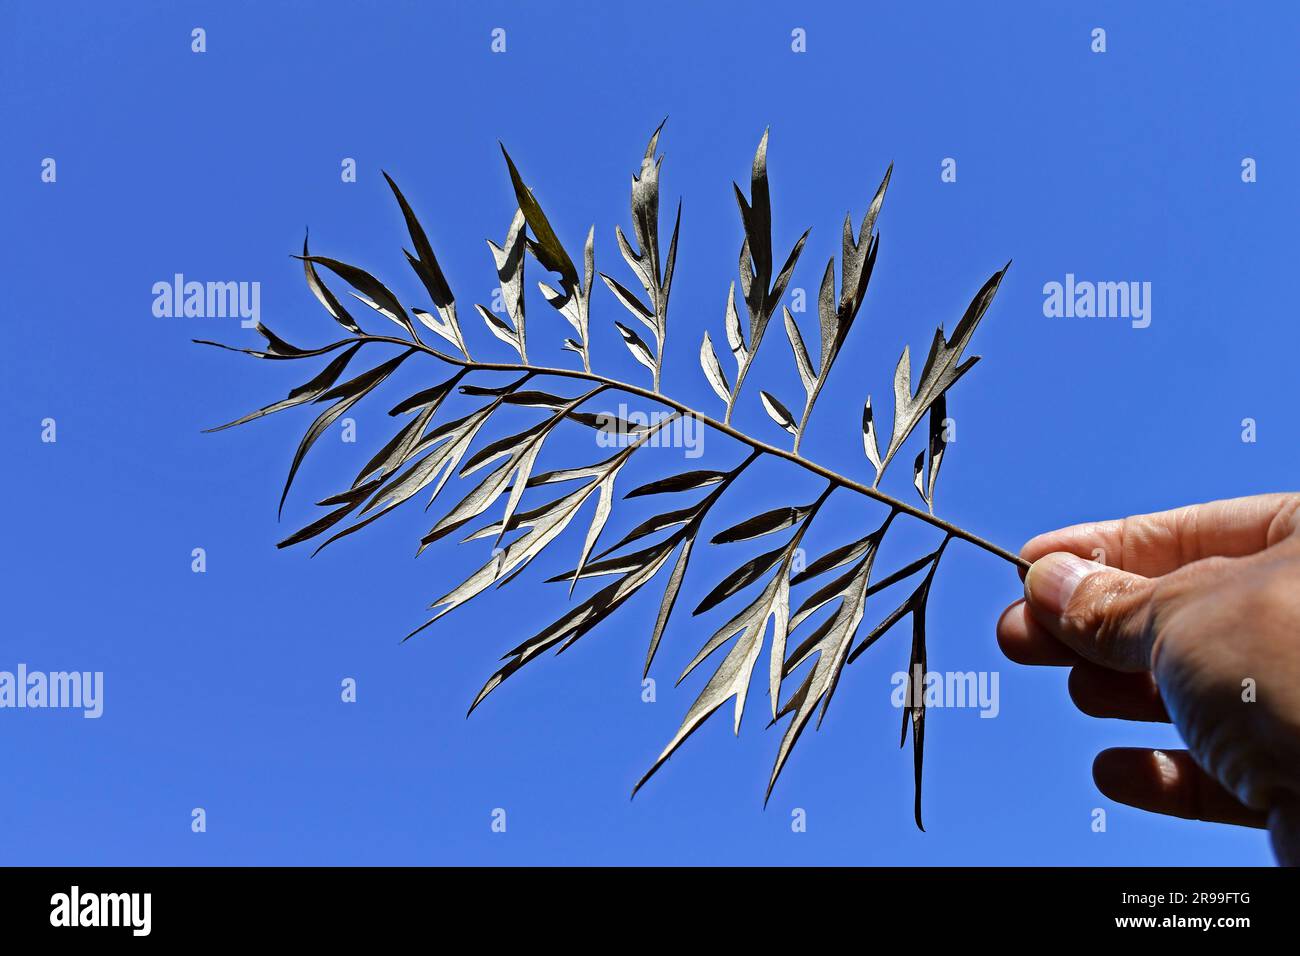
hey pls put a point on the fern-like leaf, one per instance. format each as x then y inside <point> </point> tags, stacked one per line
<point>497,456</point>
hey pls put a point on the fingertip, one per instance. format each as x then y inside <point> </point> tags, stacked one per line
<point>1101,692</point>
<point>1024,641</point>
<point>1013,633</point>
<point>1168,782</point>
<point>1116,770</point>
<point>1004,618</point>
<point>1051,580</point>
<point>1039,545</point>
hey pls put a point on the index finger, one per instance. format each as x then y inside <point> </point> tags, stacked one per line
<point>1155,544</point>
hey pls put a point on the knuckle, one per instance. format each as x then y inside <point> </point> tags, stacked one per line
<point>1194,580</point>
<point>1285,523</point>
<point>1268,599</point>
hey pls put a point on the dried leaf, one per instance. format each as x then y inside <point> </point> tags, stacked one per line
<point>348,394</point>
<point>445,447</point>
<point>938,442</point>
<point>522,454</point>
<point>509,260</point>
<point>500,328</point>
<point>369,290</point>
<point>300,395</point>
<point>536,399</point>
<point>670,264</point>
<point>632,304</point>
<point>778,519</point>
<point>686,481</point>
<point>634,260</point>
<point>426,267</point>
<point>425,262</point>
<point>640,351</point>
<point>277,348</point>
<point>669,600</point>
<point>399,448</point>
<point>501,448</point>
<point>713,370</point>
<point>735,339</point>
<point>619,564</point>
<point>915,694</point>
<point>755,264</point>
<point>835,558</point>
<point>567,307</point>
<point>318,526</point>
<point>498,391</point>
<point>423,454</point>
<point>546,247</point>
<point>828,316</point>
<point>831,645</point>
<point>545,527</point>
<point>783,277</point>
<point>802,362</point>
<point>943,368</point>
<point>324,295</point>
<point>604,506</point>
<point>869,437</point>
<point>739,579</point>
<point>645,208</point>
<point>652,525</point>
<point>576,622</point>
<point>859,254</point>
<point>732,677</point>
<point>777,412</point>
<point>447,330</point>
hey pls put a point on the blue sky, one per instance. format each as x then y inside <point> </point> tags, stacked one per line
<point>222,689</point>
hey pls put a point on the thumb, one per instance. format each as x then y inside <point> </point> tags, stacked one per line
<point>1103,613</point>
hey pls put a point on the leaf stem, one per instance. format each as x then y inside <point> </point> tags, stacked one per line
<point>725,428</point>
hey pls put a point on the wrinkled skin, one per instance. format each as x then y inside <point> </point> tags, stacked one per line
<point>1190,616</point>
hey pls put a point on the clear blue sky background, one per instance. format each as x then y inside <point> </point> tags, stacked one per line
<point>223,688</point>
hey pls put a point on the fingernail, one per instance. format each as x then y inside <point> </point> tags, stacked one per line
<point>1052,579</point>
<point>1165,767</point>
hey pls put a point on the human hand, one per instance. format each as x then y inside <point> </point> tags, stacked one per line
<point>1190,615</point>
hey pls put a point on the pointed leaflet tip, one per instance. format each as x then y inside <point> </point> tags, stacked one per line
<point>415,632</point>
<point>654,139</point>
<point>514,171</point>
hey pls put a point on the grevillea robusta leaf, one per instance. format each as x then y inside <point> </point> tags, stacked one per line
<point>425,265</point>
<point>348,394</point>
<point>640,351</point>
<point>713,370</point>
<point>324,295</point>
<point>830,643</point>
<point>778,519</point>
<point>777,411</point>
<point>686,481</point>
<point>531,509</point>
<point>368,290</point>
<point>302,394</point>
<point>943,368</point>
<point>546,244</point>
